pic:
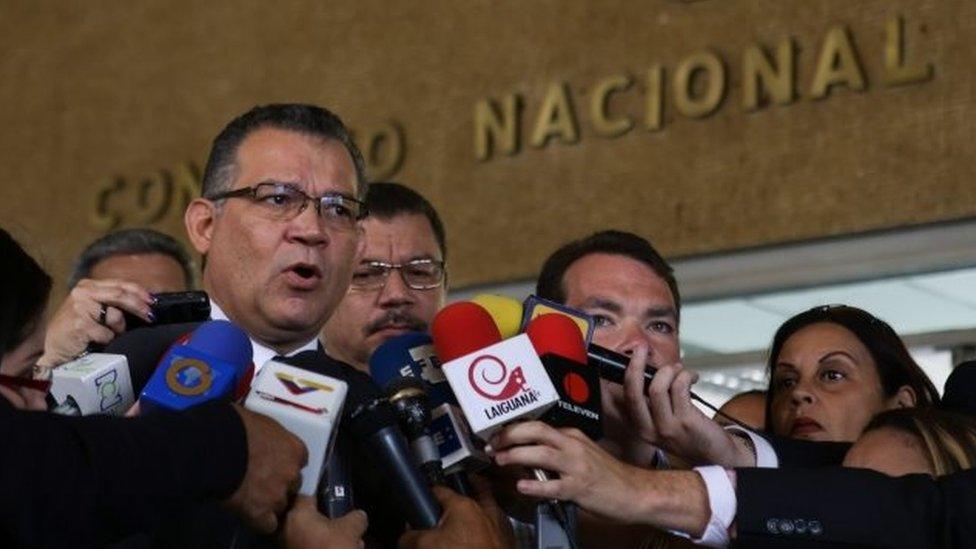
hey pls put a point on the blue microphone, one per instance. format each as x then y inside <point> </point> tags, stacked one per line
<point>213,363</point>
<point>412,356</point>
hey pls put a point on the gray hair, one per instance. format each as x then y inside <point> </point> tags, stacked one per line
<point>131,242</point>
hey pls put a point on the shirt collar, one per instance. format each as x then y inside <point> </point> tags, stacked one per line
<point>262,353</point>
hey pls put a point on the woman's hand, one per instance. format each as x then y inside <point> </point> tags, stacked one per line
<point>80,320</point>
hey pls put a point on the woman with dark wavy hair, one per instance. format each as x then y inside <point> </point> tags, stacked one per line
<point>24,289</point>
<point>833,368</point>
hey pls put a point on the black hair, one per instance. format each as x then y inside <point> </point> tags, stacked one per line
<point>386,200</point>
<point>896,367</point>
<point>24,289</point>
<point>131,242</point>
<point>300,118</point>
<point>550,282</point>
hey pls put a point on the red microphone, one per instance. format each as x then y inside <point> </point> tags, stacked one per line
<point>557,334</point>
<point>462,328</point>
<point>559,342</point>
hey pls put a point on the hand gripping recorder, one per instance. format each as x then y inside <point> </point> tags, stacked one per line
<point>307,404</point>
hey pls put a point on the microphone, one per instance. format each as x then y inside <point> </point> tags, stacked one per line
<point>555,524</point>
<point>375,424</point>
<point>390,366</point>
<point>96,383</point>
<point>559,343</point>
<point>505,311</point>
<point>495,381</point>
<point>307,404</point>
<point>214,363</point>
<point>335,495</point>
<point>535,306</point>
<point>558,339</point>
<point>611,365</point>
<point>410,356</point>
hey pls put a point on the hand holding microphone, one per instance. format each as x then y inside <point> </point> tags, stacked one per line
<point>275,459</point>
<point>466,524</point>
<point>306,528</point>
<point>588,475</point>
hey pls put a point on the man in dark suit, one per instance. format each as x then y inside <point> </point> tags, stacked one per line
<point>90,480</point>
<point>793,507</point>
<point>278,225</point>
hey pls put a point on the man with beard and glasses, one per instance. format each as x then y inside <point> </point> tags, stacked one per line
<point>403,233</point>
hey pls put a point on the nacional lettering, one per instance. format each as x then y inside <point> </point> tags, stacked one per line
<point>518,401</point>
<point>697,88</point>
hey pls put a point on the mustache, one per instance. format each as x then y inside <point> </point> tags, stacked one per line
<point>395,317</point>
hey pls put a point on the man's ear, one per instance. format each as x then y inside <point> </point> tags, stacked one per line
<point>904,398</point>
<point>199,220</point>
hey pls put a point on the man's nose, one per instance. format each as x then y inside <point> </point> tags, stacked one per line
<point>395,290</point>
<point>632,335</point>
<point>307,228</point>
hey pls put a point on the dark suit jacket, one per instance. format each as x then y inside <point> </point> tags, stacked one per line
<point>82,481</point>
<point>805,453</point>
<point>208,525</point>
<point>854,507</point>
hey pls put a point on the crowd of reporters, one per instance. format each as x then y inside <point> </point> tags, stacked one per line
<point>317,291</point>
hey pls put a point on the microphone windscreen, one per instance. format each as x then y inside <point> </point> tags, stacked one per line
<point>557,334</point>
<point>462,328</point>
<point>505,311</point>
<point>390,359</point>
<point>222,340</point>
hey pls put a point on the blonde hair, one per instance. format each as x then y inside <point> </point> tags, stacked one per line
<point>949,438</point>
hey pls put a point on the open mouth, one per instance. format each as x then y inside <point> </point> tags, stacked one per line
<point>303,275</point>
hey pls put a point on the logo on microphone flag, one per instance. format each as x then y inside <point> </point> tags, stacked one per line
<point>491,378</point>
<point>500,383</point>
<point>299,386</point>
<point>189,376</point>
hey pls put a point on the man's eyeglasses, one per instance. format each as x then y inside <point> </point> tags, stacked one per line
<point>419,274</point>
<point>284,202</point>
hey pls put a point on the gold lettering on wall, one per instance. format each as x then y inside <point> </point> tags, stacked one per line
<point>383,149</point>
<point>119,201</point>
<point>599,105</point>
<point>838,64</point>
<point>761,79</point>
<point>706,68</point>
<point>897,71</point>
<point>496,129</point>
<point>654,102</point>
<point>556,118</point>
<point>697,89</point>
<point>103,215</point>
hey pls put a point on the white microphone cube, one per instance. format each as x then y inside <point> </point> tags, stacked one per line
<point>307,404</point>
<point>499,384</point>
<point>98,383</point>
